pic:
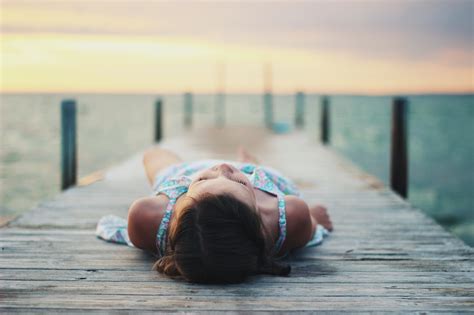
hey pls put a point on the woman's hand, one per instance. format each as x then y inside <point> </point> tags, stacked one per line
<point>321,215</point>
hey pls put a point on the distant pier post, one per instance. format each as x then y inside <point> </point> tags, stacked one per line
<point>158,120</point>
<point>220,95</point>
<point>325,120</point>
<point>188,109</point>
<point>220,110</point>
<point>267,95</point>
<point>299,109</point>
<point>399,151</point>
<point>268,109</point>
<point>68,144</point>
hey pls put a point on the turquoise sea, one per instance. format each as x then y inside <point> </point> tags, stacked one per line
<point>112,127</point>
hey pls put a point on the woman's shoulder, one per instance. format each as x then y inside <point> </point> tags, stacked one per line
<point>298,224</point>
<point>144,218</point>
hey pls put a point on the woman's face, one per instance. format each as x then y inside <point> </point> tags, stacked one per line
<point>220,179</point>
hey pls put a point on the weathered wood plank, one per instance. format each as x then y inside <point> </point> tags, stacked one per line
<point>241,302</point>
<point>252,288</point>
<point>358,274</point>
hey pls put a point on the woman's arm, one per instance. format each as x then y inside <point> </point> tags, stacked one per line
<point>144,218</point>
<point>301,222</point>
<point>145,214</point>
<point>300,226</point>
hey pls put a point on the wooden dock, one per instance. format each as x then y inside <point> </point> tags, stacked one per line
<point>384,255</point>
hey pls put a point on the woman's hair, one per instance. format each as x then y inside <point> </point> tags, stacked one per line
<point>218,239</point>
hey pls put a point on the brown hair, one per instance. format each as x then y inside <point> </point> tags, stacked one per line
<point>218,239</point>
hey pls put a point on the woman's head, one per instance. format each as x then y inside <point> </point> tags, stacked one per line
<point>217,239</point>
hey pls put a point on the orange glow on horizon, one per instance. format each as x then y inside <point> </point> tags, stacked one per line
<point>150,64</point>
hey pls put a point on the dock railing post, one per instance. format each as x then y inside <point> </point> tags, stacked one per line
<point>158,120</point>
<point>399,151</point>
<point>299,109</point>
<point>268,109</point>
<point>325,120</point>
<point>68,144</point>
<point>188,109</point>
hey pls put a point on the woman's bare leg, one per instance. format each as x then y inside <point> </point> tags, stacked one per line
<point>156,159</point>
<point>244,156</point>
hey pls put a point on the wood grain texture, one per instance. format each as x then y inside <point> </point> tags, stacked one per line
<point>384,255</point>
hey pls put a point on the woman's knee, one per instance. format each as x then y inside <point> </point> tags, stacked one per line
<point>150,154</point>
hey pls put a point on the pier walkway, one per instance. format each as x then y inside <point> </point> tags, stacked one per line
<point>384,255</point>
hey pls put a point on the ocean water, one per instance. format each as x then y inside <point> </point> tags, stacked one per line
<point>113,127</point>
<point>440,146</point>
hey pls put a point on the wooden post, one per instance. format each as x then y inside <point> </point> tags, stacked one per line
<point>220,109</point>
<point>325,120</point>
<point>268,109</point>
<point>267,95</point>
<point>299,109</point>
<point>188,109</point>
<point>220,95</point>
<point>399,151</point>
<point>68,144</point>
<point>158,120</point>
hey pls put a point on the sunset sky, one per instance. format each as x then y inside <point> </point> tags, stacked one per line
<point>370,47</point>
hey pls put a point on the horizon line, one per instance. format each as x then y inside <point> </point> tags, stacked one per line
<point>309,92</point>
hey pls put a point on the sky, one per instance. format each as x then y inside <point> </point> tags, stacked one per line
<point>339,46</point>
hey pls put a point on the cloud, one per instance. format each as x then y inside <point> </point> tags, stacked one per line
<point>415,30</point>
<point>86,63</point>
<point>137,46</point>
